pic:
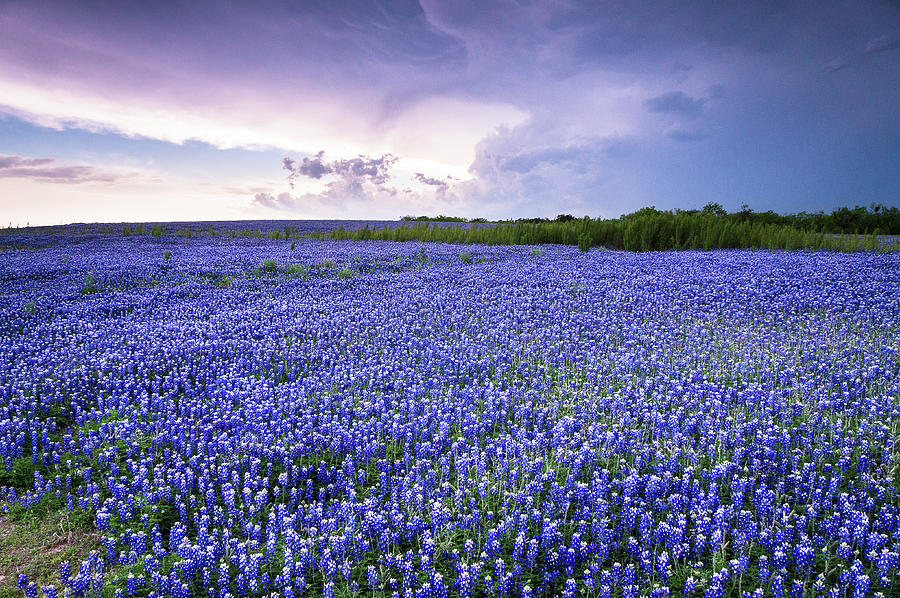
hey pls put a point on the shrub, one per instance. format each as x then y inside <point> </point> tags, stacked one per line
<point>269,265</point>
<point>296,269</point>
<point>584,242</point>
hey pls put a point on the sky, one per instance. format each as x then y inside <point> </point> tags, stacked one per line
<point>206,110</point>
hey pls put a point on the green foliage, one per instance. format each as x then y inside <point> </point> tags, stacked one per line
<point>648,229</point>
<point>292,245</point>
<point>167,255</point>
<point>536,251</point>
<point>584,242</point>
<point>21,475</point>
<point>465,257</point>
<point>269,266</point>
<point>345,273</point>
<point>714,208</point>
<point>296,269</point>
<point>90,285</point>
<point>156,230</point>
<point>136,230</point>
<point>30,307</point>
<point>421,258</point>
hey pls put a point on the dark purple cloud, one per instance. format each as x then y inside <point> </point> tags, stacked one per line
<point>432,181</point>
<point>42,169</point>
<point>676,102</point>
<point>440,186</point>
<point>315,168</point>
<point>20,162</point>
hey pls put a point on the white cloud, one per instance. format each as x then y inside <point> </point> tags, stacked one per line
<point>440,131</point>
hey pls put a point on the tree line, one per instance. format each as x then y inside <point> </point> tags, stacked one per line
<point>876,219</point>
<point>650,229</point>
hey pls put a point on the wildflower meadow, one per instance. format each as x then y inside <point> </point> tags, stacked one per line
<point>232,416</point>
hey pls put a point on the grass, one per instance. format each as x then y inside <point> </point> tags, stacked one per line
<point>37,544</point>
<point>297,269</point>
<point>90,285</point>
<point>21,474</point>
<point>647,229</point>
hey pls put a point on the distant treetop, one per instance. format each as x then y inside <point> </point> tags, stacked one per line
<point>876,219</point>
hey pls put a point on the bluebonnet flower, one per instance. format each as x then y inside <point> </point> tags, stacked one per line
<point>214,430</point>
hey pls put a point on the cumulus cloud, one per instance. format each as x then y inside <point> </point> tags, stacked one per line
<point>441,186</point>
<point>354,171</point>
<point>344,186</point>
<point>518,167</point>
<point>339,200</point>
<point>269,200</point>
<point>46,170</point>
<point>427,180</point>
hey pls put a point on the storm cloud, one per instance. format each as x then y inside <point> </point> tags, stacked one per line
<point>536,108</point>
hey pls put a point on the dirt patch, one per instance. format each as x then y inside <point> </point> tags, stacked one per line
<point>37,545</point>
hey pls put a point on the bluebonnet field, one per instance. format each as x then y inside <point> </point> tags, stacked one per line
<point>239,418</point>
